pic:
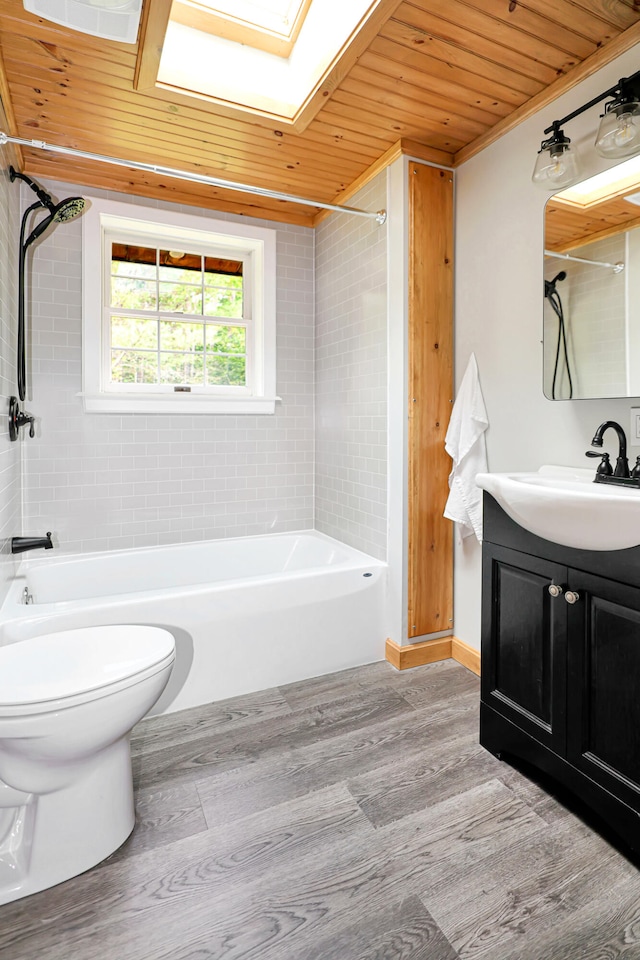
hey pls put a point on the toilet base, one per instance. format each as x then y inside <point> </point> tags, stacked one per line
<point>52,837</point>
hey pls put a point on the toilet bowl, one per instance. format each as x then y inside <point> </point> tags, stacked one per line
<point>68,702</point>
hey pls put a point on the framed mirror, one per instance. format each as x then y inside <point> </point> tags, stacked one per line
<point>591,336</point>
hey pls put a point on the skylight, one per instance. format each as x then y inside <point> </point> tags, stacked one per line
<point>204,58</point>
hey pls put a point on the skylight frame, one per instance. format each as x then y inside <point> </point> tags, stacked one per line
<point>206,16</point>
<point>153,36</point>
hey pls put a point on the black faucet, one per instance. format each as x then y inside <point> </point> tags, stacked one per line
<point>622,464</point>
<point>20,544</point>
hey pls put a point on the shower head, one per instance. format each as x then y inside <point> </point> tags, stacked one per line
<point>68,209</point>
<point>59,213</point>
<point>550,285</point>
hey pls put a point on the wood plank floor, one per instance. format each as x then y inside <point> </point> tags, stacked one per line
<point>351,817</point>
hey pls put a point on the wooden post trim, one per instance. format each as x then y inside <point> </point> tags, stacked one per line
<point>430,651</point>
<point>417,654</point>
<point>468,656</point>
<point>430,336</point>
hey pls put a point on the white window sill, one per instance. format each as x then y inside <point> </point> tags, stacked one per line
<point>175,403</point>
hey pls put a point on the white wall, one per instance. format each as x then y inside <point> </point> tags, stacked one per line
<point>499,307</point>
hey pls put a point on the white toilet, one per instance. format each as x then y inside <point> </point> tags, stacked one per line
<point>68,701</point>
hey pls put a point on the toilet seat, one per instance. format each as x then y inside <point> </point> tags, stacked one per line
<point>69,667</point>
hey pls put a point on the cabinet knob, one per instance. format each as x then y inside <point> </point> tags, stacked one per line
<point>571,596</point>
<point>555,589</point>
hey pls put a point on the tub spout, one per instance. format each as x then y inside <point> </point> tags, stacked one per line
<point>20,544</point>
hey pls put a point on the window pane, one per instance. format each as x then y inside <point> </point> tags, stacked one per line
<point>133,332</point>
<point>178,267</point>
<point>181,298</point>
<point>130,366</point>
<point>184,368</point>
<point>226,339</point>
<point>225,268</point>
<point>133,294</point>
<point>175,335</point>
<point>214,278</point>
<point>226,371</point>
<point>130,261</point>
<point>222,300</point>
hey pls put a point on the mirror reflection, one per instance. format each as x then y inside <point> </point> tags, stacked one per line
<point>592,287</point>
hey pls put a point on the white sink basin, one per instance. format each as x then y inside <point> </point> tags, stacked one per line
<point>564,505</point>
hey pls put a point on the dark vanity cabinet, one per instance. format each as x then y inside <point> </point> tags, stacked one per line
<point>561,664</point>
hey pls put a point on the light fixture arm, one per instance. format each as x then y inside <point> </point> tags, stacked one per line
<point>627,87</point>
<point>618,135</point>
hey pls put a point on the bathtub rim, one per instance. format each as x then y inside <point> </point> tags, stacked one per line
<point>14,608</point>
<point>26,562</point>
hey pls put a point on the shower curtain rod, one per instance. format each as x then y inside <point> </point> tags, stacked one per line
<point>380,216</point>
<point>616,267</point>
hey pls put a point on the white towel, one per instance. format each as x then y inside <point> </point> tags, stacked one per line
<point>466,445</point>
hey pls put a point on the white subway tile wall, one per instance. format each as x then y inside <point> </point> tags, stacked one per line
<point>10,459</point>
<point>351,375</point>
<point>105,481</point>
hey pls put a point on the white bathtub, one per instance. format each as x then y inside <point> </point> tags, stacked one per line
<point>247,614</point>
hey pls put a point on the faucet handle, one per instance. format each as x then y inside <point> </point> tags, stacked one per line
<point>18,418</point>
<point>604,468</point>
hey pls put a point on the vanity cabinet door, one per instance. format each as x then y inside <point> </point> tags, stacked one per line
<point>524,643</point>
<point>603,705</point>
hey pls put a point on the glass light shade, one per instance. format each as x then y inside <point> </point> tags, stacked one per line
<point>556,167</point>
<point>619,131</point>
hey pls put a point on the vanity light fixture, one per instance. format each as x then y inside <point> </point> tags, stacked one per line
<point>618,135</point>
<point>556,165</point>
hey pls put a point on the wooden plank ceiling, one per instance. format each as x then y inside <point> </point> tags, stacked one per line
<point>447,75</point>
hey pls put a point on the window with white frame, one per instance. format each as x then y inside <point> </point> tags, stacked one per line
<point>179,312</point>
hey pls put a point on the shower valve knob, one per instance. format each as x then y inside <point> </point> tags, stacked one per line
<point>18,419</point>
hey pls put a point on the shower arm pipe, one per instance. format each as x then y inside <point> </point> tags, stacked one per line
<point>379,216</point>
<point>616,267</point>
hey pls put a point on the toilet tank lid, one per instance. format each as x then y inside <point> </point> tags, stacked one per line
<point>69,662</point>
